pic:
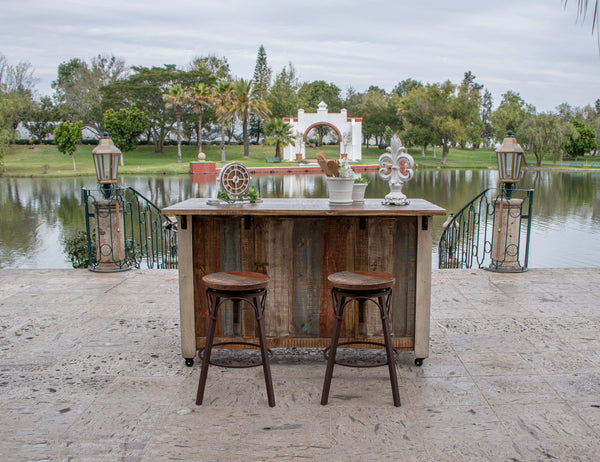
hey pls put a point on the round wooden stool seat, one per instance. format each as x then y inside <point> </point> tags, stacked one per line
<point>236,281</point>
<point>361,280</point>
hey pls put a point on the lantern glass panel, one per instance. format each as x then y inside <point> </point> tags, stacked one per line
<point>115,166</point>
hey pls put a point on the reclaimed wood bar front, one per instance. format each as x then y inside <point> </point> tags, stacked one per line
<point>298,243</point>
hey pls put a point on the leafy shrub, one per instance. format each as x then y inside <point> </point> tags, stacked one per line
<point>77,250</point>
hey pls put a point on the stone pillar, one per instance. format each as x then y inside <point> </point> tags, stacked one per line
<point>506,234</point>
<point>110,240</point>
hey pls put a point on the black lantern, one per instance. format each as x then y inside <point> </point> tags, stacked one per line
<point>510,159</point>
<point>106,160</point>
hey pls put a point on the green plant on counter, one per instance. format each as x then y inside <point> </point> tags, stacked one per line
<point>358,179</point>
<point>253,194</point>
<point>223,195</point>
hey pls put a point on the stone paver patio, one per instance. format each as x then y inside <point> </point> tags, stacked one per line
<point>90,369</point>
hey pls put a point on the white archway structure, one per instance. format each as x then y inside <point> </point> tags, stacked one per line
<point>349,130</point>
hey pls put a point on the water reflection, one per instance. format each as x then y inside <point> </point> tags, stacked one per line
<point>38,214</point>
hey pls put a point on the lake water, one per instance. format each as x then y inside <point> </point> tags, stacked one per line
<point>36,215</point>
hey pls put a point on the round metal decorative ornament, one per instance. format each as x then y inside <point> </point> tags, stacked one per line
<point>235,179</point>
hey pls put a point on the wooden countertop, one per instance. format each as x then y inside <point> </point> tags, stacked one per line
<point>304,207</point>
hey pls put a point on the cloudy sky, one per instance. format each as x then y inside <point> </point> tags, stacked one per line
<point>534,47</point>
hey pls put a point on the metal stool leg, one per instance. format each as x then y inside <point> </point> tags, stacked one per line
<point>259,307</point>
<point>384,307</point>
<point>338,303</point>
<point>213,303</point>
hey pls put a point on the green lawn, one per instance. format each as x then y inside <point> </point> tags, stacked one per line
<point>42,160</point>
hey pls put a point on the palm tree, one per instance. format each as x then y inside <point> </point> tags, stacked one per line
<point>582,9</point>
<point>244,103</point>
<point>278,133</point>
<point>175,97</point>
<point>223,108</point>
<point>201,96</point>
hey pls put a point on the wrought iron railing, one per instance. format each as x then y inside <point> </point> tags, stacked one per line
<point>492,232</point>
<point>125,230</point>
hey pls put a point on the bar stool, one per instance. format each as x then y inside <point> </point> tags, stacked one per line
<point>362,286</point>
<point>236,286</point>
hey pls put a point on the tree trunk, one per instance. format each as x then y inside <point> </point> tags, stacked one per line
<point>199,131</point>
<point>158,140</point>
<point>445,151</point>
<point>245,135</point>
<point>73,159</point>
<point>223,140</point>
<point>423,149</point>
<point>278,149</point>
<point>179,159</point>
<point>258,130</point>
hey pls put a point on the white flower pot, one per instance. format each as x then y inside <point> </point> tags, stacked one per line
<point>340,190</point>
<point>358,192</point>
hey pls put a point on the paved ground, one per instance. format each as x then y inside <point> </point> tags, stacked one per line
<point>90,370</point>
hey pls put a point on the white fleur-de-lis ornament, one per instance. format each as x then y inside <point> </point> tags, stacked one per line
<point>397,168</point>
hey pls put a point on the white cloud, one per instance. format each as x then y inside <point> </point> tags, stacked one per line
<point>535,48</point>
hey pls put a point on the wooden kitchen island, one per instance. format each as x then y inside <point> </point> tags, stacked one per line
<point>298,243</point>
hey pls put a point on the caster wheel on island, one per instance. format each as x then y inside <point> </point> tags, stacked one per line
<point>189,362</point>
<point>419,362</point>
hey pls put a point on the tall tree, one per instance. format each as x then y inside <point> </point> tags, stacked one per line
<point>468,107</point>
<point>353,102</point>
<point>17,87</point>
<point>43,116</point>
<point>283,97</point>
<point>543,134</point>
<point>223,93</point>
<point>125,126</point>
<point>486,115</point>
<point>261,82</point>
<point>510,114</point>
<point>583,141</point>
<point>211,67</point>
<point>175,97</point>
<point>311,94</point>
<point>78,87</point>
<point>145,87</point>
<point>278,133</point>
<point>435,107</point>
<point>403,88</point>
<point>244,103</point>
<point>420,136</point>
<point>201,97</point>
<point>66,136</point>
<point>379,111</point>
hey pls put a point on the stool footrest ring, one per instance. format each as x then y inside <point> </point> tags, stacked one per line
<point>235,366</point>
<point>358,342</point>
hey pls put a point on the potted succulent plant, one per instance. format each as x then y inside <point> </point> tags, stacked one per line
<point>358,189</point>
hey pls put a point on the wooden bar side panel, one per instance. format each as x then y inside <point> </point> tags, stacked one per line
<point>187,311</point>
<point>423,287</point>
<point>207,259</point>
<point>405,252</point>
